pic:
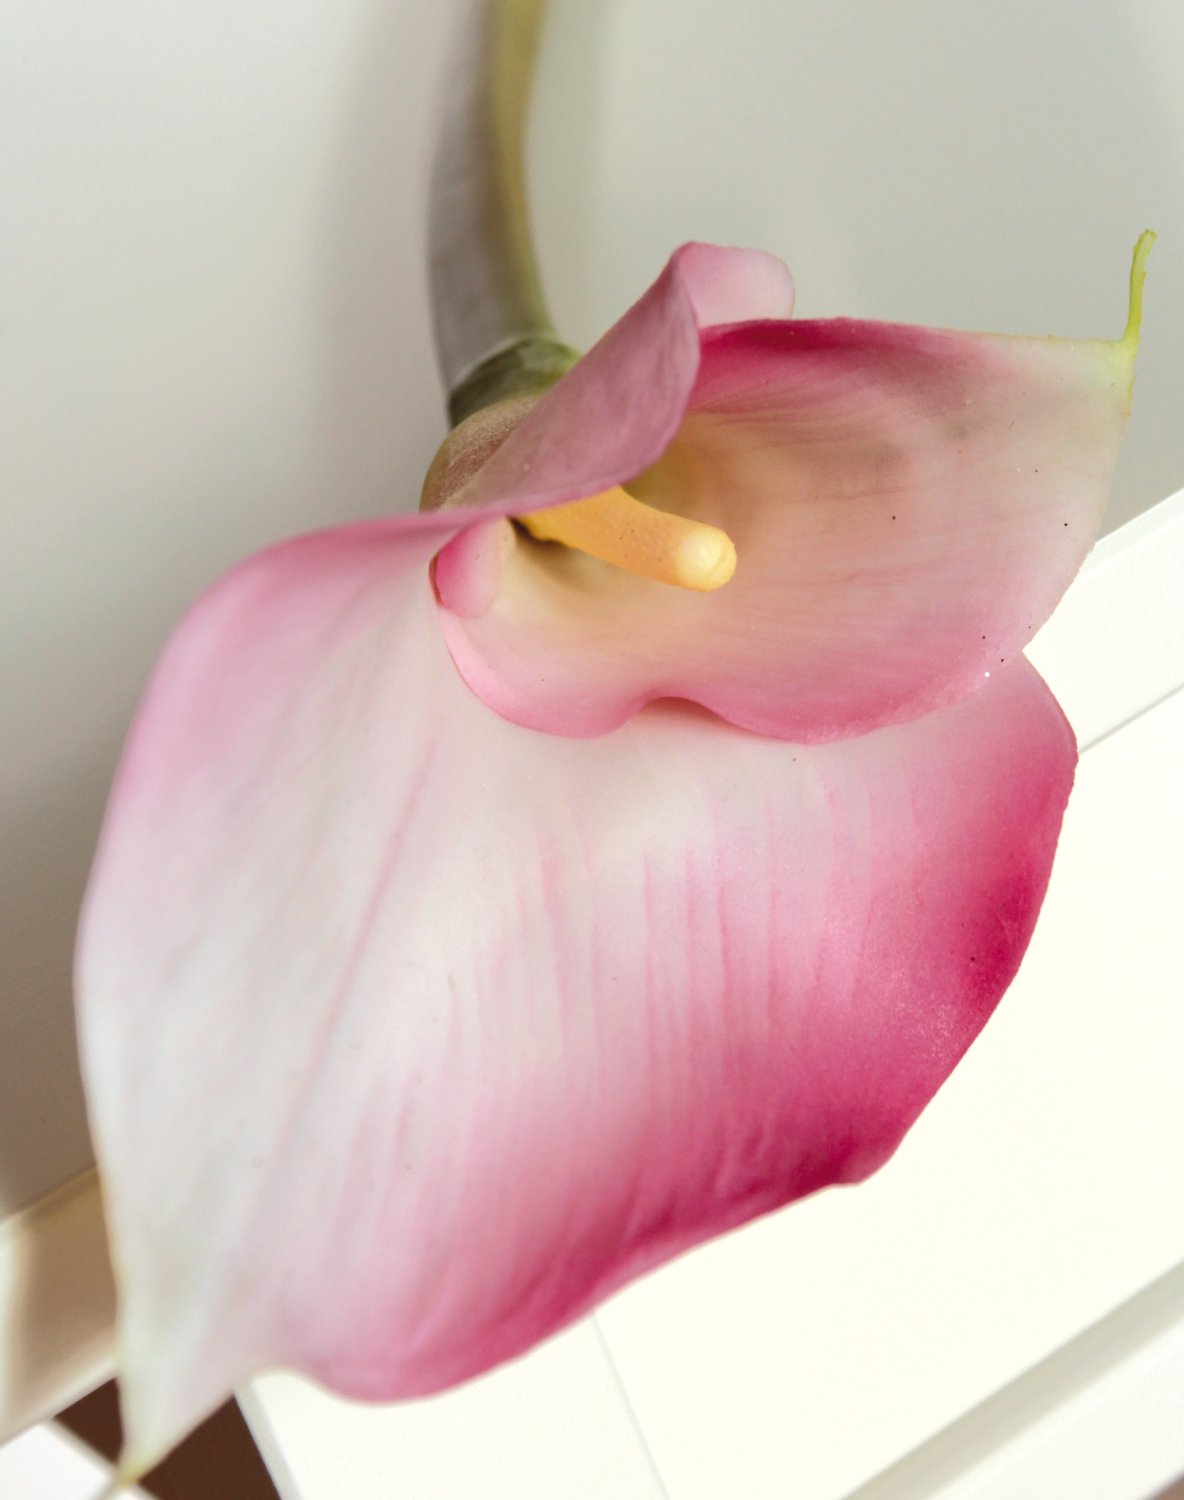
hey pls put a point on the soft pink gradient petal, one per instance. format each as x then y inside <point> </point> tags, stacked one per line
<point>907,506</point>
<point>728,285</point>
<point>468,572</point>
<point>409,1033</point>
<point>613,415</point>
<point>615,412</point>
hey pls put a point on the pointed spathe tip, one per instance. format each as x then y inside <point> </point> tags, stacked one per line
<point>1134,321</point>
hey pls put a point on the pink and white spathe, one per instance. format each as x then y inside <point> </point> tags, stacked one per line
<point>410,1031</point>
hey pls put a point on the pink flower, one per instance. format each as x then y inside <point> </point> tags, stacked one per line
<point>417,1016</point>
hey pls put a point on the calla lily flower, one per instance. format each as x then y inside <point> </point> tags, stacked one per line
<point>481,918</point>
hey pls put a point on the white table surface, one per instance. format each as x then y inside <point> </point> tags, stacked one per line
<point>213,330</point>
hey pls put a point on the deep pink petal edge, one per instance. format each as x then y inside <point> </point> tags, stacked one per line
<point>409,1034</point>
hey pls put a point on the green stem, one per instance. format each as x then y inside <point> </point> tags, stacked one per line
<point>493,334</point>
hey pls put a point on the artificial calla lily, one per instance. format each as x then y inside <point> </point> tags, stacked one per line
<point>478,923</point>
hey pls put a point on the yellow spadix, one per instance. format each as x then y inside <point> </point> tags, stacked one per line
<point>631,535</point>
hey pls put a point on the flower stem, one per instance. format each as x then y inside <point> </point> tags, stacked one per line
<point>493,333</point>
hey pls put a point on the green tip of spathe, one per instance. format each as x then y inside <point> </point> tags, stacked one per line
<point>1134,320</point>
